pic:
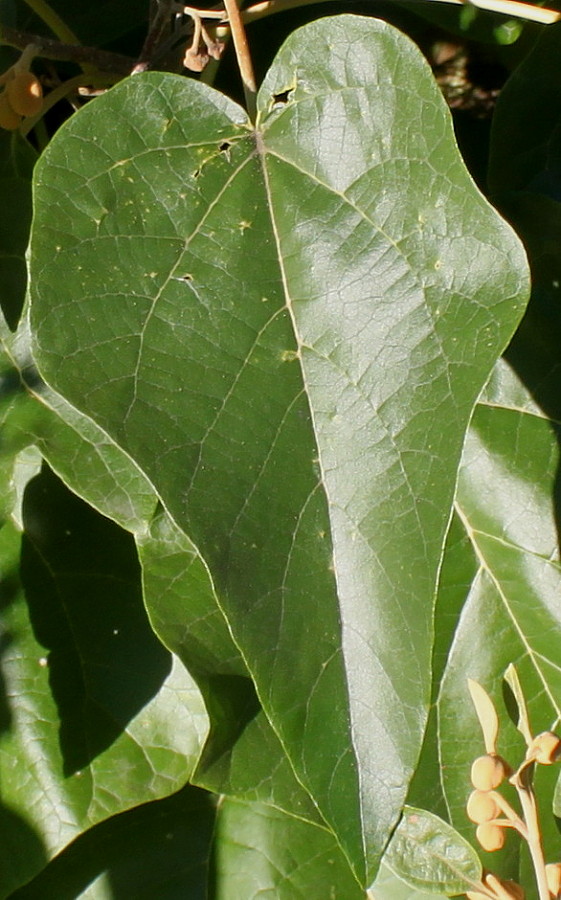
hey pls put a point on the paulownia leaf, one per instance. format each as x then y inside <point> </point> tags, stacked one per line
<point>189,622</point>
<point>286,327</point>
<point>95,715</point>
<point>263,853</point>
<point>160,849</point>
<point>512,612</point>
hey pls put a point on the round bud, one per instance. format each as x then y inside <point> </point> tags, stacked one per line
<point>553,876</point>
<point>545,748</point>
<point>487,772</point>
<point>25,93</point>
<point>491,837</point>
<point>482,807</point>
<point>9,119</point>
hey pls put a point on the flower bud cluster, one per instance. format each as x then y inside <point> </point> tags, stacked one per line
<point>490,810</point>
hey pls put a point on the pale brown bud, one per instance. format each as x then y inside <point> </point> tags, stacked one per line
<point>553,875</point>
<point>482,807</point>
<point>488,772</point>
<point>545,748</point>
<point>490,836</point>
<point>25,93</point>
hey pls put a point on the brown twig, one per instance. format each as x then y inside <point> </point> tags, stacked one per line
<point>51,49</point>
<point>243,56</point>
<point>522,781</point>
<point>155,34</point>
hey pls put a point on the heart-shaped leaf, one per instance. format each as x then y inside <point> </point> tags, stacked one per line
<point>286,327</point>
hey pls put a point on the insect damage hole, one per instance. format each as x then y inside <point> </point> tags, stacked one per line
<point>281,98</point>
<point>224,149</point>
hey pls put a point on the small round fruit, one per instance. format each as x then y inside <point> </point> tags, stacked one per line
<point>25,93</point>
<point>491,837</point>
<point>482,807</point>
<point>553,876</point>
<point>9,119</point>
<point>545,748</point>
<point>488,772</point>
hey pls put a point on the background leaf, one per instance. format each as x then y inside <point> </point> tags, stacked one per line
<point>512,609</point>
<point>157,849</point>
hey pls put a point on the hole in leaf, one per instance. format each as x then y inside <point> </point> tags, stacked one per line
<point>224,146</point>
<point>282,98</point>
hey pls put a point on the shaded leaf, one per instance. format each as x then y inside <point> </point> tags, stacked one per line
<point>159,849</point>
<point>98,716</point>
<point>16,165</point>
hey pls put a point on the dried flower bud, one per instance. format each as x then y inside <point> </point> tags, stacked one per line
<point>490,836</point>
<point>215,49</point>
<point>9,119</point>
<point>553,875</point>
<point>488,772</point>
<point>482,807</point>
<point>545,748</point>
<point>195,60</point>
<point>25,93</point>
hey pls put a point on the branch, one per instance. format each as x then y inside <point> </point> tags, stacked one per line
<point>51,49</point>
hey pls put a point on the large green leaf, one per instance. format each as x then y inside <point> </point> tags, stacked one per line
<point>287,328</point>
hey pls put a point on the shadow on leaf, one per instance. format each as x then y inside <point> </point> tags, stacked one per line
<point>81,578</point>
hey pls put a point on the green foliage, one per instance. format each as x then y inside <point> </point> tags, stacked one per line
<point>270,495</point>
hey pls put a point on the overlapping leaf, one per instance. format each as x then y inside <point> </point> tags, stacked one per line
<point>512,613</point>
<point>286,328</point>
